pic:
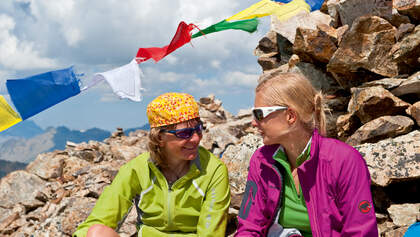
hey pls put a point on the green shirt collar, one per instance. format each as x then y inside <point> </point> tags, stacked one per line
<point>280,154</point>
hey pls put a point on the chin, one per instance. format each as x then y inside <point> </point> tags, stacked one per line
<point>267,141</point>
<point>191,156</point>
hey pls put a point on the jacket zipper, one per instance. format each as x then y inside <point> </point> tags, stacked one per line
<point>273,217</point>
<point>169,206</point>
<point>316,223</point>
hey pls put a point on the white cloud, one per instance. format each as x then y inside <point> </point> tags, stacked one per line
<point>16,54</point>
<point>241,79</point>
<point>172,60</point>
<point>215,64</point>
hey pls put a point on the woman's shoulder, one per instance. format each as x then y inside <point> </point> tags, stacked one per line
<point>336,151</point>
<point>137,163</point>
<point>264,153</point>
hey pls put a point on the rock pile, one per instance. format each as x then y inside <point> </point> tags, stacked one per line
<point>366,60</point>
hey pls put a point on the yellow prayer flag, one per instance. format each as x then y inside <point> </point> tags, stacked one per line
<point>268,7</point>
<point>8,117</point>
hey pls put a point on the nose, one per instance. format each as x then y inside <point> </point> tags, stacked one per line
<point>254,123</point>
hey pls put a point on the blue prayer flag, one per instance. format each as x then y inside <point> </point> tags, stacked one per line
<point>34,94</point>
<point>314,4</point>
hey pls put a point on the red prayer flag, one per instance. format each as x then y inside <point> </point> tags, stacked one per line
<point>182,36</point>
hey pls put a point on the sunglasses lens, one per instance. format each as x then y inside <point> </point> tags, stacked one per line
<point>185,134</point>
<point>258,114</point>
<point>188,132</point>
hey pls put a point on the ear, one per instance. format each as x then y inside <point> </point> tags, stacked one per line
<point>291,116</point>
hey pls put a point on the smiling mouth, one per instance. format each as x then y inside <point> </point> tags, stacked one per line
<point>190,148</point>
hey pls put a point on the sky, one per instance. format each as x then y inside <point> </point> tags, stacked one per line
<point>94,36</point>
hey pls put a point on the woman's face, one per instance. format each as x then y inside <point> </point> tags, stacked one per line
<point>275,127</point>
<point>179,148</point>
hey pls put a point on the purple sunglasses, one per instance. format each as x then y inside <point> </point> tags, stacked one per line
<point>186,133</point>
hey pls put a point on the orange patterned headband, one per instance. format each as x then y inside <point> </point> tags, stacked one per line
<point>171,108</point>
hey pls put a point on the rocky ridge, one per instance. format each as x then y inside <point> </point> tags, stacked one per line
<point>367,63</point>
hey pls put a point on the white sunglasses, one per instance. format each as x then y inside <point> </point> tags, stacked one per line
<point>261,112</point>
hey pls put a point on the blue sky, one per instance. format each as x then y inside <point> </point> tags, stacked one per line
<point>98,35</point>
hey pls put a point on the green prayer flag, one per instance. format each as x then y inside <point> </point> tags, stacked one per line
<point>245,25</point>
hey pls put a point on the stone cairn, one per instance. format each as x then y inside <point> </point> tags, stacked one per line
<point>365,57</point>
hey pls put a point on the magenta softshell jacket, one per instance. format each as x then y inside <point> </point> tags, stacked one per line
<point>335,182</point>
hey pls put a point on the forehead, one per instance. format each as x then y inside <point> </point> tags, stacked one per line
<point>259,100</point>
<point>186,124</point>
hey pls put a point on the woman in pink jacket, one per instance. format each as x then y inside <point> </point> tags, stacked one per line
<point>301,183</point>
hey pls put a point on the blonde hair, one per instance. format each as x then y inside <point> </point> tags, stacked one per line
<point>296,92</point>
<point>156,152</point>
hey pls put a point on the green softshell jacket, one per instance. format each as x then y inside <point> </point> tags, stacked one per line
<point>195,205</point>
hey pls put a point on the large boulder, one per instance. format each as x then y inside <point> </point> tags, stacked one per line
<point>236,158</point>
<point>217,138</point>
<point>393,159</point>
<point>20,187</point>
<point>315,46</point>
<point>373,102</point>
<point>267,44</point>
<point>404,214</point>
<point>47,166</point>
<point>407,51</point>
<point>381,128</point>
<point>409,86</point>
<point>364,47</point>
<point>349,10</point>
<point>303,20</point>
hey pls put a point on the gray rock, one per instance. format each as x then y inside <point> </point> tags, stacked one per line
<point>47,166</point>
<point>409,86</point>
<point>20,187</point>
<point>386,83</point>
<point>268,44</point>
<point>381,128</point>
<point>320,80</point>
<point>414,111</point>
<point>347,124</point>
<point>407,51</point>
<point>222,135</point>
<point>269,61</point>
<point>349,10</point>
<point>393,159</point>
<point>304,20</point>
<point>237,158</point>
<point>404,214</point>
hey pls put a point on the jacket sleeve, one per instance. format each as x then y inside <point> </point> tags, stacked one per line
<point>251,218</point>
<point>354,198</point>
<point>213,215</point>
<point>114,202</point>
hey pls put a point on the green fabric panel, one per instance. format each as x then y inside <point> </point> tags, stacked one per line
<point>245,25</point>
<point>294,213</point>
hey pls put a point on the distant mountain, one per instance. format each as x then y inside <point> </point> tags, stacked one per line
<point>7,167</point>
<point>63,134</point>
<point>144,127</point>
<point>25,150</point>
<point>24,129</point>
